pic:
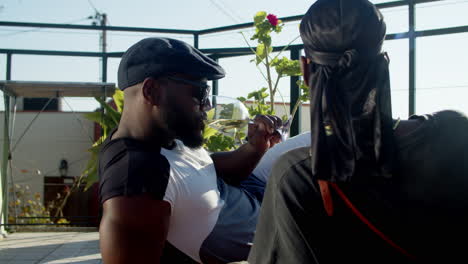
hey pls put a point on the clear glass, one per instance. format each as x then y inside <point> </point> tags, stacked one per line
<point>441,14</point>
<point>230,116</point>
<point>398,52</point>
<point>3,74</point>
<point>382,1</point>
<point>441,79</point>
<point>396,19</point>
<point>49,39</point>
<point>244,76</point>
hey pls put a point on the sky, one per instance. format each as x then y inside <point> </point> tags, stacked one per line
<point>441,71</point>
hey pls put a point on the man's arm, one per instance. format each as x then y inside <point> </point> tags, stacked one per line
<point>235,166</point>
<point>133,229</point>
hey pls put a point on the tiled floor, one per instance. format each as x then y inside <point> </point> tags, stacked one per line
<point>53,248</point>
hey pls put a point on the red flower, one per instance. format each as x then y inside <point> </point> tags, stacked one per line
<point>272,19</point>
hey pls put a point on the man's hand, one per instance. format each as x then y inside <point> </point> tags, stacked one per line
<point>235,166</point>
<point>263,133</point>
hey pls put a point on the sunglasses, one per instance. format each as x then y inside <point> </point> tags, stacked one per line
<point>201,94</point>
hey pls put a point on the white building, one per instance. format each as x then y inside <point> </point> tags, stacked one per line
<point>40,140</point>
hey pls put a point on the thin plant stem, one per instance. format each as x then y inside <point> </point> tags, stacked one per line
<point>260,70</point>
<point>296,106</point>
<point>270,86</point>
<point>285,47</point>
<point>276,84</point>
<point>250,47</point>
<point>282,99</point>
<point>75,187</point>
<point>256,56</point>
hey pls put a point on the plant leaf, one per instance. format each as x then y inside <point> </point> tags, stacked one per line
<point>259,17</point>
<point>260,51</point>
<point>209,132</point>
<point>119,100</point>
<point>113,114</point>
<point>92,177</point>
<point>94,116</point>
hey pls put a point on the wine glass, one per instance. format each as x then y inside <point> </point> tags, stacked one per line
<point>230,116</point>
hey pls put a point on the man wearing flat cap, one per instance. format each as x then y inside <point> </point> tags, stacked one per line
<point>165,199</point>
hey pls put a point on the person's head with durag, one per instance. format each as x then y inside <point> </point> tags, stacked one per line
<point>347,73</point>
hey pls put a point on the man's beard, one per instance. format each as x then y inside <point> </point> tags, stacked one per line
<point>187,127</point>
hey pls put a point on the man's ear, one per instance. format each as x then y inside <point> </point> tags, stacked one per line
<point>305,69</point>
<point>151,90</point>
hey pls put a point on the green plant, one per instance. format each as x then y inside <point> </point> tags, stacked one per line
<point>108,120</point>
<point>25,204</point>
<point>256,101</point>
<point>265,25</point>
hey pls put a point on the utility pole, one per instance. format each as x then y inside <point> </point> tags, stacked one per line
<point>104,47</point>
<point>101,19</point>
<point>104,32</point>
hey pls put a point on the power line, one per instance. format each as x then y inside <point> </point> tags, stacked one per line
<point>93,6</point>
<point>51,32</point>
<point>224,11</point>
<point>230,10</point>
<point>85,33</point>
<point>15,32</point>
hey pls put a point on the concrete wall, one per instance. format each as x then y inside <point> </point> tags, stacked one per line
<point>52,136</point>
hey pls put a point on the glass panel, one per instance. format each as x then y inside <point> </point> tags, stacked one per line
<point>396,19</point>
<point>382,1</point>
<point>2,103</point>
<point>2,77</point>
<point>243,77</point>
<point>3,65</point>
<point>241,37</point>
<point>305,118</point>
<point>228,39</point>
<point>441,14</point>
<point>112,68</point>
<point>398,52</point>
<point>120,41</point>
<point>75,40</point>
<point>58,68</point>
<point>441,79</point>
<point>89,104</point>
<point>79,104</point>
<point>49,39</point>
<point>55,68</point>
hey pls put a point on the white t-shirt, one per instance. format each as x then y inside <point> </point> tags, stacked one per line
<point>193,194</point>
<point>209,218</point>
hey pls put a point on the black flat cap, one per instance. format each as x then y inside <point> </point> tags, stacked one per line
<point>154,57</point>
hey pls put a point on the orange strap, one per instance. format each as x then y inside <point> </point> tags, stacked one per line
<point>328,204</point>
<point>326,197</point>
